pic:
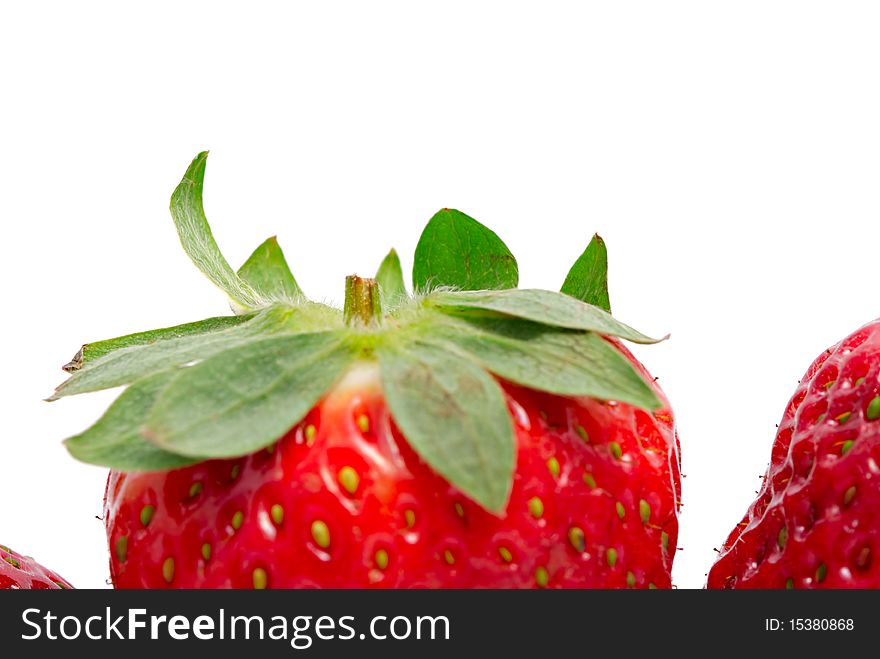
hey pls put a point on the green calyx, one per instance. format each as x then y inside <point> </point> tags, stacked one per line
<point>228,386</point>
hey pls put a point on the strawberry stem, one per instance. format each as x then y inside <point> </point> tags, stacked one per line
<point>361,301</point>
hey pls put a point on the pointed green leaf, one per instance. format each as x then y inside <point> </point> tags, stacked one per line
<point>242,400</point>
<point>267,272</point>
<point>455,251</point>
<point>116,441</point>
<point>562,362</point>
<point>545,307</point>
<point>198,241</point>
<point>126,365</point>
<point>93,351</point>
<point>454,416</point>
<point>588,278</point>
<point>390,277</point>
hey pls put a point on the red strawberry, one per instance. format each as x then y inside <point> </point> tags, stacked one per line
<point>471,435</point>
<point>343,502</point>
<point>19,572</point>
<point>816,521</point>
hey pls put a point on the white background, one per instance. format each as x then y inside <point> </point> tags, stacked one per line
<point>727,152</point>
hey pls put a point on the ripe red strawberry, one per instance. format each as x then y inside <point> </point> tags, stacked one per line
<point>342,501</point>
<point>471,435</point>
<point>816,521</point>
<point>19,572</point>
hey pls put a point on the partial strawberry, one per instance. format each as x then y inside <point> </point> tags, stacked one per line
<point>19,572</point>
<point>816,521</point>
<point>469,435</point>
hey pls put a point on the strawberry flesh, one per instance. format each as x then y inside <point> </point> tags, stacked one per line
<point>342,501</point>
<point>816,521</point>
<point>19,572</point>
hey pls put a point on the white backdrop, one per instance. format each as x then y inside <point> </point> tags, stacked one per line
<point>727,152</point>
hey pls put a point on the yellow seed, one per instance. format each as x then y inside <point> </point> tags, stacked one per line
<point>349,480</point>
<point>576,538</point>
<point>168,570</point>
<point>621,511</point>
<point>195,489</point>
<point>261,579</point>
<point>147,514</point>
<point>849,495</point>
<point>122,549</point>
<point>553,466</point>
<point>410,517</point>
<point>237,520</point>
<point>505,554</point>
<point>615,449</point>
<point>381,559</point>
<point>320,534</point>
<point>630,579</point>
<point>277,514</point>
<point>310,433</point>
<point>782,537</point>
<point>644,511</point>
<point>611,555</point>
<point>536,507</point>
<point>448,557</point>
<point>459,509</point>
<point>589,480</point>
<point>206,551</point>
<point>363,422</point>
<point>234,472</point>
<point>582,432</point>
<point>541,577</point>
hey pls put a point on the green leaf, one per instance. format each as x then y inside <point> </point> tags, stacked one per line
<point>456,251</point>
<point>125,365</point>
<point>588,278</point>
<point>93,351</point>
<point>454,416</point>
<point>244,399</point>
<point>545,307</point>
<point>562,362</point>
<point>198,241</point>
<point>116,441</point>
<point>267,272</point>
<point>392,290</point>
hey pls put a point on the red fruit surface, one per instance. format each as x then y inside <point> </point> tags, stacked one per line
<point>19,572</point>
<point>342,501</point>
<point>816,521</point>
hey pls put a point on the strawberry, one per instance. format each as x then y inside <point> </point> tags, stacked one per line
<point>816,521</point>
<point>468,435</point>
<point>19,572</point>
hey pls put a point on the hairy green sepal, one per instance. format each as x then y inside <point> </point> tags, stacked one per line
<point>454,416</point>
<point>588,278</point>
<point>242,400</point>
<point>390,278</point>
<point>550,359</point>
<point>456,251</point>
<point>228,386</point>
<point>266,271</point>
<point>117,440</point>
<point>539,306</point>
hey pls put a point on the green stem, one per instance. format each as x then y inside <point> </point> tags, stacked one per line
<point>361,301</point>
